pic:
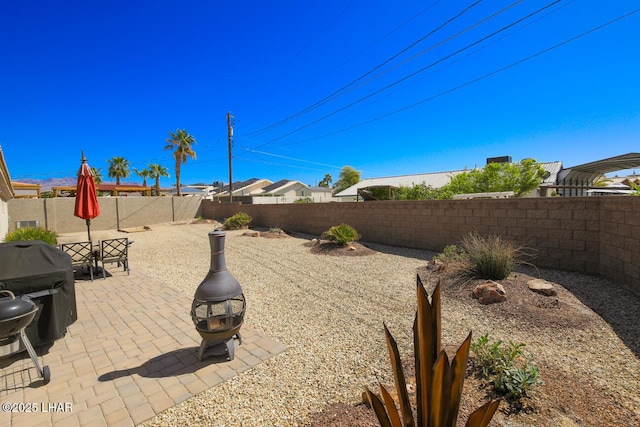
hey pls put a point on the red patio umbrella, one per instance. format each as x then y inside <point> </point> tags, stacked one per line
<point>86,197</point>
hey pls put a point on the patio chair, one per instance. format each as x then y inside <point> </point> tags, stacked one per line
<point>115,250</point>
<point>81,254</point>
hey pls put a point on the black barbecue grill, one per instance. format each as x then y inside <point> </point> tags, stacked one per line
<point>15,315</point>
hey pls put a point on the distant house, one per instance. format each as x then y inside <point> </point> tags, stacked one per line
<point>202,191</point>
<point>361,190</point>
<point>243,188</point>
<point>25,190</point>
<point>264,191</point>
<point>433,180</point>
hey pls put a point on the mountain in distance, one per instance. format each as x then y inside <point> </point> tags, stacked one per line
<point>47,184</point>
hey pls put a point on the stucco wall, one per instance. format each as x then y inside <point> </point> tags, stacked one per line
<point>115,212</point>
<point>4,219</point>
<point>593,235</point>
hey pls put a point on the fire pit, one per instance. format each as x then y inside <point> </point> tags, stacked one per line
<point>218,305</point>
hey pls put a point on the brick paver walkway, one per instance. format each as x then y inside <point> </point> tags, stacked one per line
<point>131,354</point>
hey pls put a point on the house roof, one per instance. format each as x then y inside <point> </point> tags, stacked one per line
<point>239,186</point>
<point>283,183</point>
<point>434,179</point>
<point>6,189</point>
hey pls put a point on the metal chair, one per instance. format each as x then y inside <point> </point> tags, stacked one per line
<point>81,254</point>
<point>115,250</point>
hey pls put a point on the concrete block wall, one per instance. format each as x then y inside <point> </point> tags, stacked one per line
<point>592,235</point>
<point>115,212</point>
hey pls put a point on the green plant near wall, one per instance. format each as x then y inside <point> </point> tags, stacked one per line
<point>341,234</point>
<point>32,233</point>
<point>492,257</point>
<point>509,370</point>
<point>438,382</point>
<point>304,200</point>
<point>237,221</point>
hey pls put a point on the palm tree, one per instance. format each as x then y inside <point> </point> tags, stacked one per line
<point>155,172</point>
<point>97,175</point>
<point>326,181</point>
<point>181,141</point>
<point>118,168</point>
<point>144,174</point>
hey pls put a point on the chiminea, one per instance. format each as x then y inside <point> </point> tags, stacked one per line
<point>218,305</point>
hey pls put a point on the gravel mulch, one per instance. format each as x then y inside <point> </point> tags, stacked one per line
<point>329,311</point>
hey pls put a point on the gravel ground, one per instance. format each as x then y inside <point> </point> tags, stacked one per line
<point>329,311</point>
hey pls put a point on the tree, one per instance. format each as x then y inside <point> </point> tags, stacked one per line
<point>118,168</point>
<point>97,175</point>
<point>156,170</point>
<point>326,181</point>
<point>421,192</point>
<point>348,177</point>
<point>521,178</point>
<point>180,142</point>
<point>144,174</point>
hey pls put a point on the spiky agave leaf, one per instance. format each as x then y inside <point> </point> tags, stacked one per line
<point>440,383</point>
<point>481,417</point>
<point>378,408</point>
<point>426,345</point>
<point>390,404</point>
<point>400,382</point>
<point>458,371</point>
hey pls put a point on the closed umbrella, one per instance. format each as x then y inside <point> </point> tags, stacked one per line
<point>86,198</point>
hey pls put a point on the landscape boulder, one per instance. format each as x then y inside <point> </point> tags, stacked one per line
<point>489,293</point>
<point>542,287</point>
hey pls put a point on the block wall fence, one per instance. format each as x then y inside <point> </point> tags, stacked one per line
<point>592,235</point>
<point>116,213</point>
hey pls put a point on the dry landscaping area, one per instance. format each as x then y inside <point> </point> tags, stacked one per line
<point>328,308</point>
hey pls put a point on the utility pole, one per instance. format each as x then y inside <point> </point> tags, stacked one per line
<point>230,138</point>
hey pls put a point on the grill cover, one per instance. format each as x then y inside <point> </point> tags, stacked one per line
<point>34,266</point>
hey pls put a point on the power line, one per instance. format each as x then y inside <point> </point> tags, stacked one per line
<point>337,93</point>
<point>412,74</point>
<point>477,79</point>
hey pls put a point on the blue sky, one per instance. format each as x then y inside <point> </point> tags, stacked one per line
<point>390,88</point>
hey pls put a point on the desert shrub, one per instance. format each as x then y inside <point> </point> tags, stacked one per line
<point>304,200</point>
<point>236,221</point>
<point>491,257</point>
<point>341,234</point>
<point>451,253</point>
<point>509,370</point>
<point>32,233</point>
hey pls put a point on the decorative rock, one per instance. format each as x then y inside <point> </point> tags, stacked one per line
<point>251,233</point>
<point>351,248</point>
<point>315,242</point>
<point>542,287</point>
<point>489,293</point>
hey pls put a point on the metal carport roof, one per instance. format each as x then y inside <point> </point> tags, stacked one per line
<point>588,173</point>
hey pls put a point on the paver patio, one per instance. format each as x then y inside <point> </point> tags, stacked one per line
<point>131,354</point>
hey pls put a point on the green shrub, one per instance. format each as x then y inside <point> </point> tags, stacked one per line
<point>507,368</point>
<point>32,233</point>
<point>236,221</point>
<point>304,200</point>
<point>451,253</point>
<point>491,257</point>
<point>341,234</point>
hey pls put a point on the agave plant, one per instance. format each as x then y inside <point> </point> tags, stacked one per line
<point>438,382</point>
